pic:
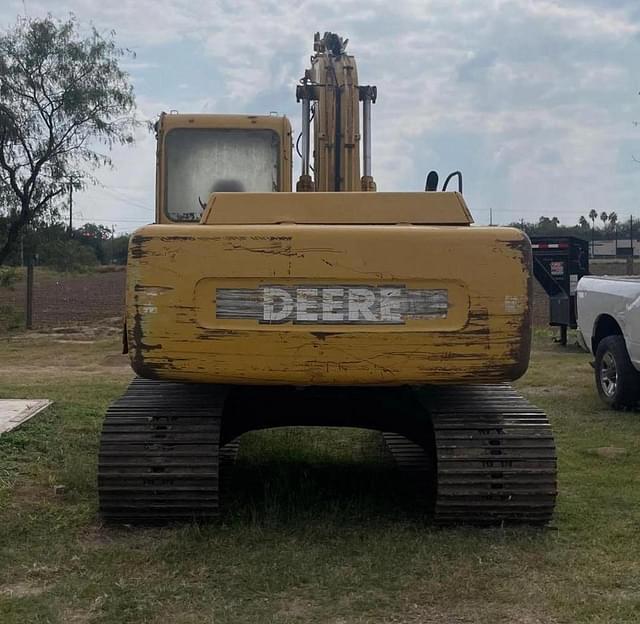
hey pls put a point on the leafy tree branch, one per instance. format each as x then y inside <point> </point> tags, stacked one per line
<point>62,96</point>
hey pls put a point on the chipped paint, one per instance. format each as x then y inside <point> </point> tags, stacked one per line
<point>331,304</point>
<point>152,291</point>
<point>484,336</point>
<point>514,304</point>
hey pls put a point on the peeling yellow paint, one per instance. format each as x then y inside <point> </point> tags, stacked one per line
<point>174,333</point>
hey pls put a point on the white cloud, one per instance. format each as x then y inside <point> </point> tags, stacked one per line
<point>581,21</point>
<point>534,97</point>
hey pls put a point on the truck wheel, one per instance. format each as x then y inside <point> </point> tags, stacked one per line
<point>617,381</point>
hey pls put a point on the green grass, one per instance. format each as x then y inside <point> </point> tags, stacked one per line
<point>11,319</point>
<point>319,527</point>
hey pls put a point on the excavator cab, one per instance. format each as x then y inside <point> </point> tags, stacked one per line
<point>250,306</point>
<point>198,155</point>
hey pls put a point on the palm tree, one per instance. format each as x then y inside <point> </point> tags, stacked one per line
<point>593,215</point>
<point>583,223</point>
<point>604,216</point>
<point>613,219</point>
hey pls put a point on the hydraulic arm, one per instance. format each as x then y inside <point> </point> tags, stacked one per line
<point>331,96</point>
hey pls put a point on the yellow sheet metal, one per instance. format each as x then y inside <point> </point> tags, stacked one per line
<point>334,208</point>
<point>175,273</point>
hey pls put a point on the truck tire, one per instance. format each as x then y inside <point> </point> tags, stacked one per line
<point>617,381</point>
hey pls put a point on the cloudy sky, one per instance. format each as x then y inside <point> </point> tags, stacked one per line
<point>534,100</point>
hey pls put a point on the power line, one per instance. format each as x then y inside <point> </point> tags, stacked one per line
<point>116,221</point>
<point>132,202</point>
<point>123,188</point>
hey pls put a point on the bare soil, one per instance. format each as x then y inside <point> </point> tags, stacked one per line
<point>69,299</point>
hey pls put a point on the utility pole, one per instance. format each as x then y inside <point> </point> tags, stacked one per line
<point>630,257</point>
<point>71,207</point>
<point>29,310</point>
<point>490,216</point>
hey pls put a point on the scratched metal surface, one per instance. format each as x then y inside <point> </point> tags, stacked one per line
<point>174,271</point>
<point>345,304</point>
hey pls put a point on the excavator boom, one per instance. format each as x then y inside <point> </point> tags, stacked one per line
<point>331,96</point>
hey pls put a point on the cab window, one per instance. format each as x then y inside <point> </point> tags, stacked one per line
<point>201,161</point>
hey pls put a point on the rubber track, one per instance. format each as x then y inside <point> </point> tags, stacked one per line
<point>495,456</point>
<point>159,453</point>
<point>409,456</point>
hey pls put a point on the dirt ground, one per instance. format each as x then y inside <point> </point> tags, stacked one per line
<point>62,299</point>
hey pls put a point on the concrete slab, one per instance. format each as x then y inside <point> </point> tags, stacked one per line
<point>13,412</point>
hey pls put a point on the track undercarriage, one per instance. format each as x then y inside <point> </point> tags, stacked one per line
<point>483,453</point>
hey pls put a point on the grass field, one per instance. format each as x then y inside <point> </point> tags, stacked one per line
<point>320,528</point>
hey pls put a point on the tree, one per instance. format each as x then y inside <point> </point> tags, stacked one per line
<point>604,216</point>
<point>548,225</point>
<point>552,222</point>
<point>119,246</point>
<point>613,220</point>
<point>583,223</point>
<point>67,254</point>
<point>62,96</point>
<point>593,215</point>
<point>93,235</point>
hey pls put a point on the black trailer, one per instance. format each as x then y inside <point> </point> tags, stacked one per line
<point>558,263</point>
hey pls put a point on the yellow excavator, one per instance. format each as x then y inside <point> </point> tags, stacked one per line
<point>250,306</point>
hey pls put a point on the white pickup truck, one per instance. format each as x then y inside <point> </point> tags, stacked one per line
<point>609,321</point>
